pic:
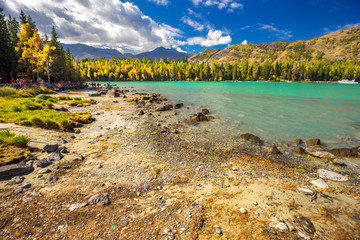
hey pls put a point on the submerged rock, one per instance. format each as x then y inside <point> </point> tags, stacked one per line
<point>313,142</point>
<point>346,152</point>
<point>251,138</point>
<point>218,229</point>
<point>199,117</point>
<point>14,170</point>
<point>179,105</point>
<point>305,223</point>
<point>305,190</point>
<point>333,176</point>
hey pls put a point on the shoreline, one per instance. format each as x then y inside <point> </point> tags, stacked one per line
<point>167,180</point>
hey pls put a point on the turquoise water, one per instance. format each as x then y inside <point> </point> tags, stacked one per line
<point>276,112</point>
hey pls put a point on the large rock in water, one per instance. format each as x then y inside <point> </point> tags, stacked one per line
<point>313,142</point>
<point>251,138</point>
<point>14,170</point>
<point>164,108</point>
<point>99,199</point>
<point>319,152</point>
<point>346,152</point>
<point>273,150</point>
<point>325,174</point>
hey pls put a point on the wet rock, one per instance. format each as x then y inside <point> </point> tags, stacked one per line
<point>53,179</point>
<point>313,142</point>
<point>273,150</point>
<point>318,152</point>
<point>179,105</point>
<point>79,158</point>
<point>320,183</point>
<point>333,176</point>
<point>141,112</point>
<point>305,190</point>
<point>205,111</point>
<point>77,131</point>
<point>146,98</point>
<point>14,170</point>
<point>281,227</point>
<point>51,148</point>
<point>251,138</point>
<point>218,230</point>
<point>26,185</point>
<point>199,117</point>
<point>16,180</point>
<point>55,156</point>
<point>99,199</point>
<point>189,122</point>
<point>77,206</point>
<point>43,163</point>
<point>167,107</point>
<point>296,141</point>
<point>44,171</point>
<point>299,150</point>
<point>346,152</point>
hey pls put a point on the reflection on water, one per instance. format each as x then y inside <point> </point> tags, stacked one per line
<point>276,112</point>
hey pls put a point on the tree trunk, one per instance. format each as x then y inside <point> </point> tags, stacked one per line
<point>48,70</point>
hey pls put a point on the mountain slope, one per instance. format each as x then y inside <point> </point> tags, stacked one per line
<point>343,44</point>
<point>163,53</point>
<point>85,51</point>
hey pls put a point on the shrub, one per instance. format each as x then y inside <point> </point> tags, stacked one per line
<point>17,109</point>
<point>44,97</point>
<point>32,106</point>
<point>65,123</point>
<point>7,91</point>
<point>36,121</point>
<point>77,98</point>
<point>7,138</point>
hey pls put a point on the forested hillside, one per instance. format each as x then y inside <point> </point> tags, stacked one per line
<point>335,46</point>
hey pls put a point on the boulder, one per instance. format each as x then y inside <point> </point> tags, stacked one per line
<point>99,199</point>
<point>299,150</point>
<point>333,176</point>
<point>318,152</point>
<point>320,183</point>
<point>43,163</point>
<point>251,138</point>
<point>51,148</point>
<point>164,108</point>
<point>296,141</point>
<point>273,150</point>
<point>199,117</point>
<point>313,142</point>
<point>55,156</point>
<point>179,105</point>
<point>346,152</point>
<point>205,111</point>
<point>14,170</point>
<point>16,180</point>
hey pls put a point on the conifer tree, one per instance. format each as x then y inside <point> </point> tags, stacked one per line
<point>5,49</point>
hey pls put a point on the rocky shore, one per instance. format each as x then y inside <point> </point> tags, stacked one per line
<point>150,168</point>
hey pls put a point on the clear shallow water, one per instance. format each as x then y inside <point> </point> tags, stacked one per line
<point>276,112</point>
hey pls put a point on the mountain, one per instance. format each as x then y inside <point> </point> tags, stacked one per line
<point>85,51</point>
<point>343,44</point>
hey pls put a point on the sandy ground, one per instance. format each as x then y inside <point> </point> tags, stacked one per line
<point>173,182</point>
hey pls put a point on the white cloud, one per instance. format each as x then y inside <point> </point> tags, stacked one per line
<point>180,50</point>
<point>244,42</point>
<point>213,38</point>
<point>197,26</point>
<point>160,2</point>
<point>281,34</point>
<point>339,28</point>
<point>231,5</point>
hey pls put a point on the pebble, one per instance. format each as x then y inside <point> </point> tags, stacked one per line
<point>320,183</point>
<point>243,210</point>
<point>16,180</point>
<point>56,167</point>
<point>281,227</point>
<point>79,158</point>
<point>100,166</point>
<point>255,203</point>
<point>39,176</point>
<point>218,230</point>
<point>60,227</point>
<point>305,190</point>
<point>88,162</point>
<point>26,185</point>
<point>17,191</point>
<point>167,230</point>
<point>338,162</point>
<point>53,179</point>
<point>110,150</point>
<point>290,226</point>
<point>77,131</point>
<point>304,236</point>
<point>44,170</point>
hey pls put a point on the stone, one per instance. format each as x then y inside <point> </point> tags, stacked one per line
<point>99,199</point>
<point>243,210</point>
<point>167,230</point>
<point>333,176</point>
<point>199,117</point>
<point>304,236</point>
<point>299,150</point>
<point>189,122</point>
<point>14,170</point>
<point>26,185</point>
<point>116,94</point>
<point>79,158</point>
<point>281,227</point>
<point>63,150</point>
<point>318,152</point>
<point>296,141</point>
<point>64,141</point>
<point>167,107</point>
<point>56,167</point>
<point>251,138</point>
<point>346,152</point>
<point>17,191</point>
<point>306,224</point>
<point>320,183</point>
<point>77,131</point>
<point>218,229</point>
<point>60,227</point>
<point>43,163</point>
<point>338,162</point>
<point>16,180</point>
<point>77,206</point>
<point>273,150</point>
<point>205,111</point>
<point>305,190</point>
<point>51,148</point>
<point>141,112</point>
<point>53,179</point>
<point>313,142</point>
<point>290,226</point>
<point>179,105</point>
<point>44,171</point>
<point>55,156</point>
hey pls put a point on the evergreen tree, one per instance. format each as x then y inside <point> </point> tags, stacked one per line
<point>5,49</point>
<point>23,18</point>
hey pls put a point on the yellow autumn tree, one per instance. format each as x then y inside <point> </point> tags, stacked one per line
<point>45,59</point>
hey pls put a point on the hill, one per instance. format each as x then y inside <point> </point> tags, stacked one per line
<point>163,53</point>
<point>343,44</point>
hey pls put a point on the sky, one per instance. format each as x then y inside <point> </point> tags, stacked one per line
<point>186,25</point>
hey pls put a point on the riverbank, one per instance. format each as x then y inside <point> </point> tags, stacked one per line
<point>166,179</point>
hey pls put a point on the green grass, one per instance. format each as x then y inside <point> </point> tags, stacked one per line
<point>12,92</point>
<point>7,138</point>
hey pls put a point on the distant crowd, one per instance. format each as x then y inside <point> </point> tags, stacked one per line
<point>21,83</point>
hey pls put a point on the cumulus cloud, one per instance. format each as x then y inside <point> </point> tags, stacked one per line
<point>160,2</point>
<point>230,5</point>
<point>281,34</point>
<point>213,38</point>
<point>339,28</point>
<point>107,23</point>
<point>244,42</point>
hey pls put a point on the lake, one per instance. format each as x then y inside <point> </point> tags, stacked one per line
<point>276,112</point>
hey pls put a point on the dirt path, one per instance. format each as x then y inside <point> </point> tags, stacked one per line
<point>168,183</point>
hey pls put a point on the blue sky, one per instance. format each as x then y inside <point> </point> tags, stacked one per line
<point>186,25</point>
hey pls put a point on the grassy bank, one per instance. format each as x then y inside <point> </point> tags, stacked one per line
<point>21,107</point>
